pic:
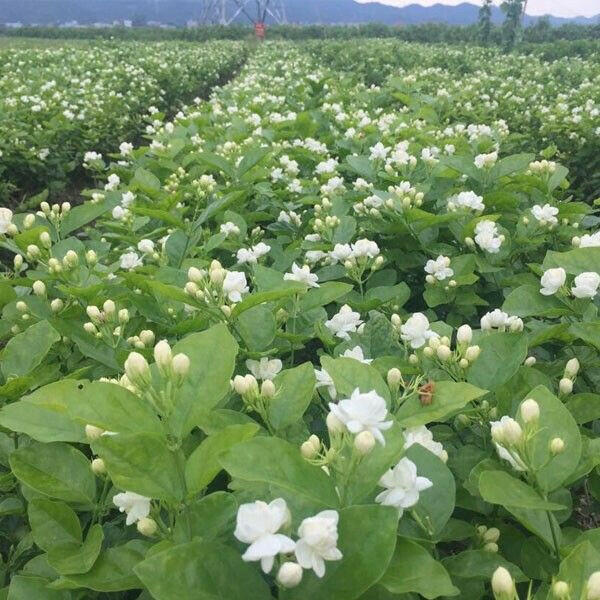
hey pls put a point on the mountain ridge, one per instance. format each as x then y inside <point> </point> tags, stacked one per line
<point>302,12</point>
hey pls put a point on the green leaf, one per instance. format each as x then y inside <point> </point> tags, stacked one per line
<point>295,388</point>
<point>83,214</point>
<point>145,180</point>
<point>501,356</point>
<point>26,350</point>
<point>212,360</point>
<point>414,570</point>
<point>436,504</point>
<point>285,291</point>
<point>143,463</point>
<point>56,470</point>
<point>277,462</point>
<point>112,571</point>
<point>583,407</point>
<point>113,408</point>
<point>526,301</point>
<point>205,570</point>
<point>73,558</point>
<point>44,415</point>
<point>53,523</point>
<point>257,327</point>
<point>207,518</point>
<point>349,374</point>
<point>362,166</point>
<point>498,487</point>
<point>448,398</point>
<point>251,158</point>
<point>510,165</point>
<point>203,464</point>
<point>480,564</point>
<point>588,332</point>
<point>367,537</point>
<point>323,295</point>
<point>29,587</point>
<point>574,261</point>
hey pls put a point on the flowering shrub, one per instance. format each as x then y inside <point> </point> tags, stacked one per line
<point>303,344</point>
<point>57,103</point>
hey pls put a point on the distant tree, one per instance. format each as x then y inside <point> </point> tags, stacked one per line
<point>485,21</point>
<point>512,26</point>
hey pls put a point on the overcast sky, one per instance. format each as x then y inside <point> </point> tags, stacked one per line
<point>558,8</point>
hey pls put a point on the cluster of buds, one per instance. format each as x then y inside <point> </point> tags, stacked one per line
<point>97,197</point>
<point>405,196</point>
<point>487,538</point>
<point>70,261</point>
<point>172,370</point>
<point>255,398</point>
<point>145,339</point>
<point>486,161</point>
<point>107,322</point>
<point>207,285</point>
<point>174,180</point>
<point>565,385</point>
<point>541,167</point>
<point>55,213</point>
<point>324,222</point>
<point>464,353</point>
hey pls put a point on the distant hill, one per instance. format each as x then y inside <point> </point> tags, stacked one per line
<point>178,12</point>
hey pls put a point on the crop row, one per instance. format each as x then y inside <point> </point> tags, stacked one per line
<point>58,103</point>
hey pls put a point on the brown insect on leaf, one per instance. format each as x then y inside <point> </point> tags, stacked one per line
<point>426,393</point>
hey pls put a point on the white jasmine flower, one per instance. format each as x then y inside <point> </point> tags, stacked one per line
<point>416,330</point>
<point>113,182</point>
<point>468,200</point>
<point>486,236</point>
<point>378,151</point>
<point>318,541</point>
<point>303,275</point>
<point>403,486</point>
<point>127,198</point>
<point>340,253</point>
<point>6,216</point>
<point>324,380</point>
<point>590,240</point>
<point>146,246</point>
<point>546,215</point>
<point>125,148</point>
<point>257,524</point>
<point>314,256</point>
<point>264,368</point>
<point>363,412</point>
<point>251,255</point>
<point>344,322</point>
<point>364,248</point>
<point>234,285</point>
<point>586,285</point>
<point>552,280</point>
<point>130,260</point>
<point>439,268</point>
<point>422,436</point>
<point>357,354</point>
<point>135,506</point>
<point>229,228</point>
<point>486,160</point>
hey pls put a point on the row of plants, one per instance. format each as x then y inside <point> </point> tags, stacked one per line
<point>302,344</point>
<point>553,105</point>
<point>56,104</point>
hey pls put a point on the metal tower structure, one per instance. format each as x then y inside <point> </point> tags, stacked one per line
<point>224,12</point>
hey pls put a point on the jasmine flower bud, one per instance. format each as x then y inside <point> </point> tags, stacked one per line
<point>472,353</point>
<point>491,547</point>
<point>93,312</point>
<point>98,466</point>
<point>240,385</point>
<point>39,288</point>
<point>180,365</point>
<point>530,411</point>
<point>162,357</point>
<point>364,442</point>
<point>147,337</point>
<point>565,386</point>
<point>557,445</point>
<point>308,450</point>
<point>89,327</point>
<point>334,425</point>
<point>394,377</point>
<point>137,369</point>
<point>560,590</point>
<point>572,368</point>
<point>56,305</point>
<point>463,363</point>
<point>267,389</point>
<point>18,261</point>
<point>503,585</point>
<point>92,432</point>
<point>147,526</point>
<point>593,586</point>
<point>289,574</point>
<point>91,258</point>
<point>428,351</point>
<point>491,535</point>
<point>530,361</point>
<point>45,239</point>
<point>464,335</point>
<point>123,315</point>
<point>512,432</point>
<point>443,353</point>
<point>109,308</point>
